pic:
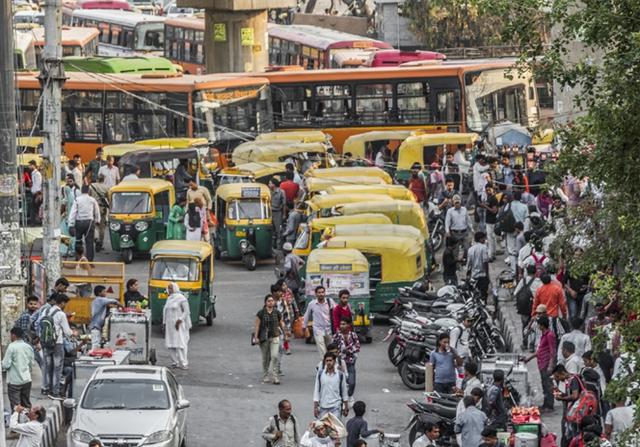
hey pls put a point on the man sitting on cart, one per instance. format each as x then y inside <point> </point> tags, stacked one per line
<point>99,308</point>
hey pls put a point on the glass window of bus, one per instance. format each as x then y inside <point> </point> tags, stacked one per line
<point>291,105</point>
<point>195,49</point>
<point>169,31</point>
<point>188,34</point>
<point>118,127</point>
<point>413,102</point>
<point>199,53</point>
<point>152,126</point>
<point>373,102</point>
<point>105,36</point>
<point>149,37</point>
<point>115,35</point>
<point>332,103</point>
<point>447,107</point>
<point>199,36</point>
<point>187,51</point>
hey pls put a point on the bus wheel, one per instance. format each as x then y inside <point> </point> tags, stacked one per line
<point>127,255</point>
<point>250,261</point>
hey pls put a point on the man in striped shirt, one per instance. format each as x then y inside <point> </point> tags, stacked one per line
<point>545,355</point>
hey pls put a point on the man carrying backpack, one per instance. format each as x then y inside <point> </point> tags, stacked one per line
<point>578,402</point>
<point>53,328</point>
<point>330,394</point>
<point>282,429</point>
<point>524,293</point>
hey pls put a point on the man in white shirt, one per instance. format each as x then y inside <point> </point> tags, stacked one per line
<point>431,434</point>
<point>380,161</point>
<point>460,335</point>
<point>457,225</point>
<point>54,355</point>
<point>31,431</point>
<point>580,340</point>
<point>479,167</point>
<point>618,420</point>
<point>330,394</point>
<point>134,174</point>
<point>84,215</point>
<point>36,191</point>
<point>110,172</point>
<point>572,362</point>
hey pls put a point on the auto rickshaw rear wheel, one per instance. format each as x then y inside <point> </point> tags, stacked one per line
<point>216,252</point>
<point>127,255</point>
<point>250,261</point>
<point>209,317</point>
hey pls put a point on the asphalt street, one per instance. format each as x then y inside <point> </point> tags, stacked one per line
<point>229,404</point>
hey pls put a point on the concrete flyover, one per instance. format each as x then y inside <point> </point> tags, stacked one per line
<point>235,33</point>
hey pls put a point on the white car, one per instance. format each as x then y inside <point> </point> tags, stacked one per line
<point>130,406</point>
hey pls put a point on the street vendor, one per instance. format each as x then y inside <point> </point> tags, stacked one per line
<point>99,308</point>
<point>133,297</point>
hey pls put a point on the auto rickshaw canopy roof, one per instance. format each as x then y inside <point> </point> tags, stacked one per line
<point>196,249</point>
<point>259,151</point>
<point>262,169</point>
<point>401,212</point>
<point>411,149</point>
<point>118,150</point>
<point>356,144</point>
<point>360,171</point>
<point>349,260</point>
<point>302,136</point>
<point>314,184</point>
<point>398,192</point>
<point>371,229</point>
<point>402,260</point>
<point>232,191</point>
<point>175,143</point>
<point>150,185</point>
<point>144,155</point>
<point>320,223</point>
<point>24,159</point>
<point>30,142</point>
<point>326,201</point>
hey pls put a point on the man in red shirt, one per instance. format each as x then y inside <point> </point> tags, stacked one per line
<point>342,310</point>
<point>290,189</point>
<point>545,355</point>
<point>550,294</point>
<point>417,184</point>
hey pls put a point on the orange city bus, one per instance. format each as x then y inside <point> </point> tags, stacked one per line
<point>184,43</point>
<point>76,41</point>
<point>102,109</point>
<point>467,96</point>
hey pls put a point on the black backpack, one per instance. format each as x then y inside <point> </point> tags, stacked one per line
<point>295,428</point>
<point>524,298</point>
<point>506,221</point>
<point>48,336</point>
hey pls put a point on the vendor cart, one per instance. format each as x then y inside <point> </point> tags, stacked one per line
<point>131,331</point>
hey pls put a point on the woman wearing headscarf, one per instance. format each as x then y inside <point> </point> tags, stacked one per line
<point>176,320</point>
<point>193,222</point>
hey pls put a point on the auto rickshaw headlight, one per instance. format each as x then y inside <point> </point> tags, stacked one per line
<point>115,226</point>
<point>141,226</point>
<point>243,244</point>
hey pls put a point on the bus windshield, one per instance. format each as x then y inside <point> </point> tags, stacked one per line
<point>130,203</point>
<point>493,98</point>
<point>149,37</point>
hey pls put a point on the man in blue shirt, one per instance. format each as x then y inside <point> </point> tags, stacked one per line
<point>99,313</point>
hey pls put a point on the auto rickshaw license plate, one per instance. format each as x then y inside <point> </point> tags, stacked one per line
<point>241,233</point>
<point>162,296</point>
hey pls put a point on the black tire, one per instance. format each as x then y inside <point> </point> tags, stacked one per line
<point>368,339</point>
<point>394,352</point>
<point>209,317</point>
<point>152,356</point>
<point>127,255</point>
<point>216,252</point>
<point>436,240</point>
<point>499,343</point>
<point>414,433</point>
<point>250,261</point>
<point>412,379</point>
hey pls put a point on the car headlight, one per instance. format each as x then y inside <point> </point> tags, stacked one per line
<point>82,436</point>
<point>115,226</point>
<point>159,436</point>
<point>141,226</point>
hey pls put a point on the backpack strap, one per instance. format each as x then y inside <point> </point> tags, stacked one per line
<point>530,282</point>
<point>275,419</point>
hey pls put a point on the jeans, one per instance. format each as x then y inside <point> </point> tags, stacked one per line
<point>54,361</point>
<point>19,394</point>
<point>84,235</point>
<point>444,388</point>
<point>491,239</point>
<point>575,306</point>
<point>351,378</point>
<point>511,250</point>
<point>547,388</point>
<point>269,350</point>
<point>483,287</point>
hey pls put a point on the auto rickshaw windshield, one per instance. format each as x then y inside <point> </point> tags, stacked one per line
<point>175,269</point>
<point>302,242</point>
<point>134,202</point>
<point>248,209</point>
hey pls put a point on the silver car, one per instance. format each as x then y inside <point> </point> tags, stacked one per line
<point>130,406</point>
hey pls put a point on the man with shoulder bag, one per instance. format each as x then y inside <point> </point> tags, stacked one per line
<point>524,293</point>
<point>282,429</point>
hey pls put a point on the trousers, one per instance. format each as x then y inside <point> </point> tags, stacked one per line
<point>491,239</point>
<point>511,250</point>
<point>53,360</point>
<point>460,238</point>
<point>321,343</point>
<point>96,338</point>
<point>178,356</point>
<point>19,394</point>
<point>84,235</point>
<point>547,388</point>
<point>351,378</point>
<point>270,349</point>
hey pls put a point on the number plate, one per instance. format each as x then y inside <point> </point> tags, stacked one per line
<point>241,233</point>
<point>162,296</point>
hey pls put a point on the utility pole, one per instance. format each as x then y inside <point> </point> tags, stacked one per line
<point>51,79</point>
<point>10,271</point>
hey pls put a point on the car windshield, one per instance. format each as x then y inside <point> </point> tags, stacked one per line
<point>247,209</point>
<point>174,269</point>
<point>110,394</point>
<point>130,203</point>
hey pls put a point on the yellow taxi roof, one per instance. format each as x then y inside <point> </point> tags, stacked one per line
<point>303,136</point>
<point>324,201</point>
<point>150,185</point>
<point>402,258</point>
<point>396,191</point>
<point>356,143</point>
<point>402,212</point>
<point>313,184</point>
<point>350,260</point>
<point>259,151</point>
<point>411,149</point>
<point>350,171</point>
<point>234,190</point>
<point>176,143</point>
<point>196,249</point>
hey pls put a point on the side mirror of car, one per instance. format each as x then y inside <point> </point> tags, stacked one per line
<point>182,404</point>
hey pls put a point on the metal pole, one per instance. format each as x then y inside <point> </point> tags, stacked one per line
<point>52,79</point>
<point>9,224</point>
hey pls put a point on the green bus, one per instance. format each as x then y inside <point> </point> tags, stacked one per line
<point>124,65</point>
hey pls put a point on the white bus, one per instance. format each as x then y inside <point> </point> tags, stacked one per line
<point>122,33</point>
<point>24,51</point>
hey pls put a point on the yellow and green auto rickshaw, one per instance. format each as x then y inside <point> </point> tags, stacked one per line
<point>342,269</point>
<point>301,136</point>
<point>403,212</point>
<point>398,192</point>
<point>260,172</point>
<point>244,230</point>
<point>303,155</point>
<point>366,145</point>
<point>426,149</point>
<point>310,233</point>
<point>209,157</point>
<point>315,185</point>
<point>29,145</point>
<point>394,262</point>
<point>190,265</point>
<point>118,150</point>
<point>138,215</point>
<point>321,205</point>
<point>349,172</point>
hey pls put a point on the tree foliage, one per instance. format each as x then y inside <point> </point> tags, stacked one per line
<point>595,49</point>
